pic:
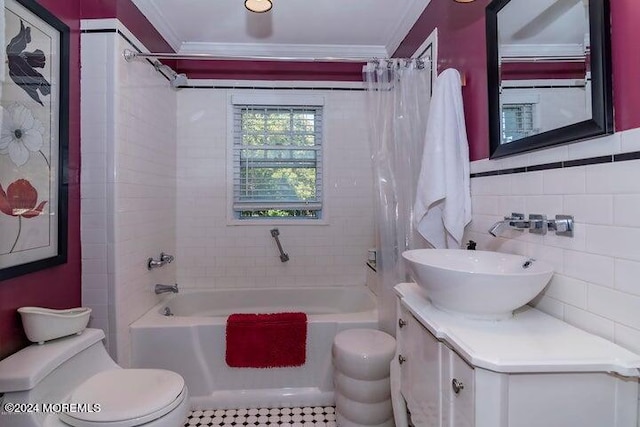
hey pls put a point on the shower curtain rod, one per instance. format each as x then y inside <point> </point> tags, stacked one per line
<point>130,55</point>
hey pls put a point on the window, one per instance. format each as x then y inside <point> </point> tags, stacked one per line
<point>277,161</point>
<point>517,121</point>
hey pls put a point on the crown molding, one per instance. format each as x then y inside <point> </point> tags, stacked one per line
<point>285,50</point>
<point>409,19</point>
<point>157,19</point>
<point>541,50</point>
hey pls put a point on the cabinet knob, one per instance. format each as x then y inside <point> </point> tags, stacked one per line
<point>401,359</point>
<point>401,323</point>
<point>457,386</point>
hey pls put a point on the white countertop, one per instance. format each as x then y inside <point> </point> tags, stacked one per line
<point>530,341</point>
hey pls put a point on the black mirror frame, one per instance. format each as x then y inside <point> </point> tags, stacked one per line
<point>601,122</point>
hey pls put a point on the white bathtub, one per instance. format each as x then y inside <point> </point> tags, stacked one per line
<point>192,343</point>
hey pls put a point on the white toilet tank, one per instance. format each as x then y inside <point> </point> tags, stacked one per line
<point>46,374</point>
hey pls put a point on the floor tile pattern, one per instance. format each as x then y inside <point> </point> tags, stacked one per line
<point>317,416</point>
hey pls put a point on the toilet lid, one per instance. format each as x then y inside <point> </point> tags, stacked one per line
<point>127,397</point>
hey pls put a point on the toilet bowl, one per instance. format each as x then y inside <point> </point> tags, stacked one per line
<point>72,381</point>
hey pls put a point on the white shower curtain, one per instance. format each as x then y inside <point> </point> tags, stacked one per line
<point>398,92</point>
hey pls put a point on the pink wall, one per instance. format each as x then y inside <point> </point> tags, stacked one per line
<point>130,16</point>
<point>542,70</point>
<point>271,70</point>
<point>625,16</point>
<point>461,44</point>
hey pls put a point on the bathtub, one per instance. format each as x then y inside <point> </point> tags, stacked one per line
<point>192,343</point>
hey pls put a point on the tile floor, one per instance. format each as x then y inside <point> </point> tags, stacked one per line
<point>318,416</point>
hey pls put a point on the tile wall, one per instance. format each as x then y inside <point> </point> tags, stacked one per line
<point>128,184</point>
<point>214,254</point>
<point>596,286</point>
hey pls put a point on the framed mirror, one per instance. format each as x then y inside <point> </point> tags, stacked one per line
<point>549,73</point>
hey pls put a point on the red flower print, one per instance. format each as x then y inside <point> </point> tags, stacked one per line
<point>20,200</point>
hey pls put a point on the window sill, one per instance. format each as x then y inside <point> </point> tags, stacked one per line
<point>305,222</point>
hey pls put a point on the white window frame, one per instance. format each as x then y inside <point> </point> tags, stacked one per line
<point>271,98</point>
<point>513,95</point>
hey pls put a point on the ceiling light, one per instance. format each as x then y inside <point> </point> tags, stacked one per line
<point>258,6</point>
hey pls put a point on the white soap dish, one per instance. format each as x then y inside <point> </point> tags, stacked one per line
<point>44,324</point>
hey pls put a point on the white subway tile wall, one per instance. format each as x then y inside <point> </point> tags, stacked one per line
<point>96,82</point>
<point>598,270</point>
<point>128,185</point>
<point>214,254</point>
<point>596,286</point>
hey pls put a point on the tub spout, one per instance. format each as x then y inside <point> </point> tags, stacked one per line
<point>161,289</point>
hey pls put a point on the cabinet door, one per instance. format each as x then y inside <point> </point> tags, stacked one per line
<point>420,372</point>
<point>458,390</point>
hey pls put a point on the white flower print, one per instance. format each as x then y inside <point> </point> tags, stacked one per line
<point>21,133</point>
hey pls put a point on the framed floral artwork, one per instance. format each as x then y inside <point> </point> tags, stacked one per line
<point>34,119</point>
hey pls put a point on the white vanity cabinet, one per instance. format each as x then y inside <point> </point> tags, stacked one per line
<point>529,371</point>
<point>437,384</point>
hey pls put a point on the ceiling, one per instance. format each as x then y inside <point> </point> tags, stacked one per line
<point>556,27</point>
<point>293,28</point>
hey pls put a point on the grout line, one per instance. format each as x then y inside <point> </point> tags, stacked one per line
<point>635,155</point>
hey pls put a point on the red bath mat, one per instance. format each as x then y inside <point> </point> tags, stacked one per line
<point>275,340</point>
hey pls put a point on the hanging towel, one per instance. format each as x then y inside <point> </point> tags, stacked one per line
<point>443,197</point>
<point>266,340</point>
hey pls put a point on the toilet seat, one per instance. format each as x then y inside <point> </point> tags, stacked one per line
<point>127,397</point>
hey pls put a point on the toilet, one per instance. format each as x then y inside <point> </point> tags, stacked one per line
<point>72,381</point>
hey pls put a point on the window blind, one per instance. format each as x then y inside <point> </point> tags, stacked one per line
<point>517,121</point>
<point>277,161</point>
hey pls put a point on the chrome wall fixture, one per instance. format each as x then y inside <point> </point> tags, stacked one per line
<point>175,80</point>
<point>162,289</point>
<point>283,256</point>
<point>537,224</point>
<point>155,263</point>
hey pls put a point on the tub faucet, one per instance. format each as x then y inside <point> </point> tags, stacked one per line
<point>161,289</point>
<point>164,259</point>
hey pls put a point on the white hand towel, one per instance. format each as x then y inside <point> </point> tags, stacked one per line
<point>443,198</point>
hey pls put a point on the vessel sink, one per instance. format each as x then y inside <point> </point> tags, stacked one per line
<point>477,284</point>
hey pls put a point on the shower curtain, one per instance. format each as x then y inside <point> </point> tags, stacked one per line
<point>398,95</point>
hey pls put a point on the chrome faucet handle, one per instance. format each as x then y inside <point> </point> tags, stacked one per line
<point>538,224</point>
<point>514,216</point>
<point>166,258</point>
<point>152,263</point>
<point>563,225</point>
